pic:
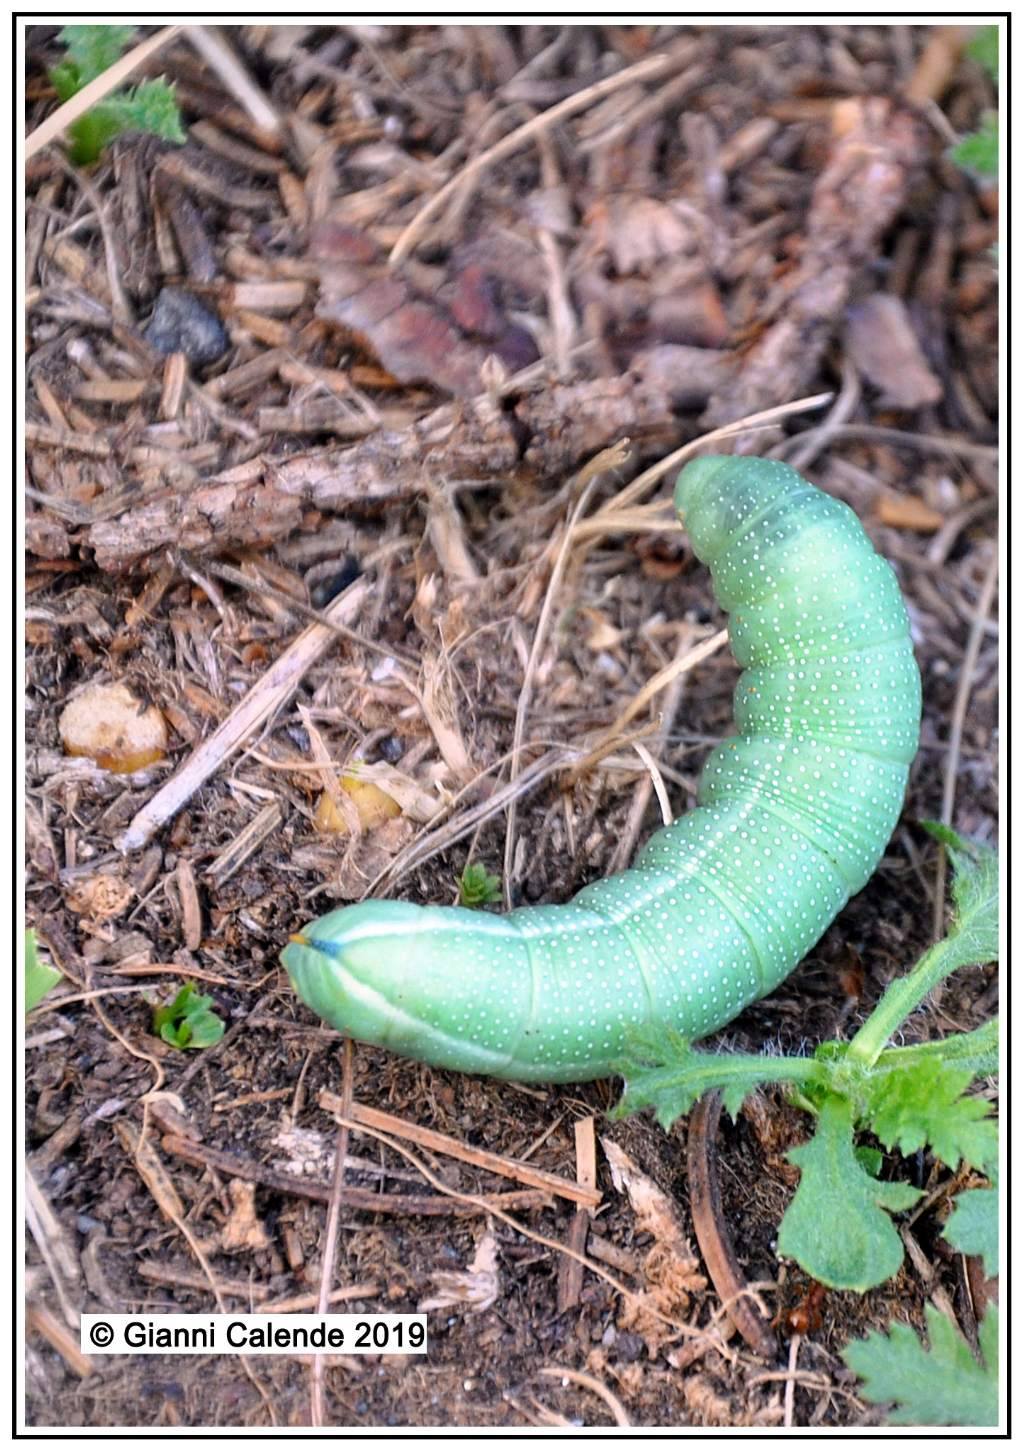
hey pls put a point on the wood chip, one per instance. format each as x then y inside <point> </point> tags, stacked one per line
<point>908,511</point>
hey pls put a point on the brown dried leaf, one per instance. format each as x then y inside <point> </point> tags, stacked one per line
<point>100,898</point>
<point>669,1268</point>
<point>243,1230</point>
<point>881,341</point>
<point>359,806</point>
<point>908,511</point>
<point>477,1287</point>
<point>637,231</point>
<point>415,337</point>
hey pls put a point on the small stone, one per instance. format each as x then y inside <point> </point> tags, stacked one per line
<point>181,324</point>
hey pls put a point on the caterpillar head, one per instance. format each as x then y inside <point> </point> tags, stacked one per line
<point>407,978</point>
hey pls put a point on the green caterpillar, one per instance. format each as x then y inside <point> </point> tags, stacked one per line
<point>793,816</point>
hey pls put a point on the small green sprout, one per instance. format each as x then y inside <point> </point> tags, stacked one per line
<point>40,976</point>
<point>187,1022</point>
<point>149,107</point>
<point>477,886</point>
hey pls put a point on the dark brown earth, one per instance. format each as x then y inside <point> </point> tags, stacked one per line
<point>768,215</point>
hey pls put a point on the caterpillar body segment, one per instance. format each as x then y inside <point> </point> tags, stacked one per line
<point>792,817</point>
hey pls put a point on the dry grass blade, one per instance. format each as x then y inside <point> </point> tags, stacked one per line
<point>674,671</point>
<point>645,481</point>
<point>634,1297</point>
<point>39,1318</point>
<point>159,1184</point>
<point>95,91</point>
<point>54,1247</point>
<point>219,56</point>
<point>330,1240</point>
<point>956,732</point>
<point>583,1378</point>
<point>433,842</point>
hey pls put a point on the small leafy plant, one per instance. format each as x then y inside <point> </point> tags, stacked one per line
<point>188,1022</point>
<point>150,106</point>
<point>477,886</point>
<point>838,1226</point>
<point>40,976</point>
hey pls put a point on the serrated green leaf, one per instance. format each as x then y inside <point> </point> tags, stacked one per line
<point>977,1051</point>
<point>973,937</point>
<point>150,107</point>
<point>975,891</point>
<point>924,1104</point>
<point>40,976</point>
<point>941,1386</point>
<point>664,1073</point>
<point>973,1227</point>
<point>836,1226</point>
<point>93,49</point>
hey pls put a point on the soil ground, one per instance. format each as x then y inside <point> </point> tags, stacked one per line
<point>671,254</point>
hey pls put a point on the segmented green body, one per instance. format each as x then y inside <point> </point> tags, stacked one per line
<point>793,816</point>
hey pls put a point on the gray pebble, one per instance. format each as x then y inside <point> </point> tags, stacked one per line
<point>181,324</point>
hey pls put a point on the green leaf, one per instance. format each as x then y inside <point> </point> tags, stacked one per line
<point>206,1029</point>
<point>177,1008</point>
<point>40,976</point>
<point>979,151</point>
<point>66,80</point>
<point>973,1227</point>
<point>177,1035</point>
<point>477,886</point>
<point>943,1386</point>
<point>975,925</point>
<point>869,1159</point>
<point>984,48</point>
<point>150,107</point>
<point>836,1227</point>
<point>187,1022</point>
<point>663,1073</point>
<point>924,1104</point>
<point>93,49</point>
<point>973,937</point>
<point>977,1051</point>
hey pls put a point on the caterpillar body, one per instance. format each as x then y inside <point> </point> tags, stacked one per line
<point>792,818</point>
